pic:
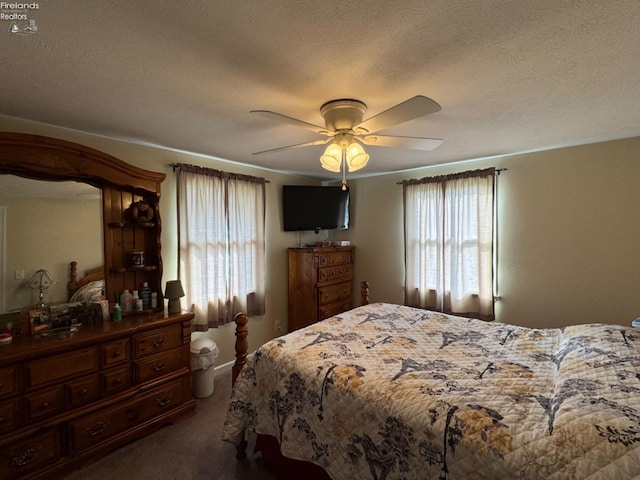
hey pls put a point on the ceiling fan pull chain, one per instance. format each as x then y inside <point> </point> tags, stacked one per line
<point>344,169</point>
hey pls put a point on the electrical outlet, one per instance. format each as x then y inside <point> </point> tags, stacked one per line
<point>19,275</point>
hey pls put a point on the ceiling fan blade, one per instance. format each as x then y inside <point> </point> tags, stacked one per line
<point>415,107</point>
<point>291,121</point>
<point>298,145</point>
<point>410,143</point>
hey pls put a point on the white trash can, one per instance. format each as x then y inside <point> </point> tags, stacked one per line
<point>204,352</point>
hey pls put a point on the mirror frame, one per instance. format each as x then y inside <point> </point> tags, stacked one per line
<point>46,158</point>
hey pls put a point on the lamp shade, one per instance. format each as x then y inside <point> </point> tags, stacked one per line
<point>41,279</point>
<point>173,291</point>
<point>356,157</point>
<point>332,158</point>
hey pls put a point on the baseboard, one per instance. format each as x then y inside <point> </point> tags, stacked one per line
<point>223,369</point>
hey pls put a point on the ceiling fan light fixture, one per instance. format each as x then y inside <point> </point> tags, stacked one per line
<point>357,158</point>
<point>332,158</point>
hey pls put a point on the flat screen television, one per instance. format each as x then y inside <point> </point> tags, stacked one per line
<point>315,208</point>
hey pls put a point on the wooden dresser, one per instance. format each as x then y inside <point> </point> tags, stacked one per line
<point>66,402</point>
<point>320,283</point>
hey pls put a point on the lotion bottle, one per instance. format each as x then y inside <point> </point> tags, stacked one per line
<point>126,300</point>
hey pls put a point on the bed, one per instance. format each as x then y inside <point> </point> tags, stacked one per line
<point>87,288</point>
<point>391,392</point>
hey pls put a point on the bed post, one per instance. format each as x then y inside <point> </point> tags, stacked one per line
<point>72,286</point>
<point>364,293</point>
<point>242,345</point>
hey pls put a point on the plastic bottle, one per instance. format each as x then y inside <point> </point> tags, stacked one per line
<point>126,301</point>
<point>136,302</point>
<point>117,313</point>
<point>145,295</point>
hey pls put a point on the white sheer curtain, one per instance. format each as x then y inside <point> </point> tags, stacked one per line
<point>221,219</point>
<point>449,243</point>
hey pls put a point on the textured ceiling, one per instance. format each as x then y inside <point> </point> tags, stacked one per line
<point>511,76</point>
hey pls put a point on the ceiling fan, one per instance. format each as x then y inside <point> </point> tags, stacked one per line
<point>344,123</point>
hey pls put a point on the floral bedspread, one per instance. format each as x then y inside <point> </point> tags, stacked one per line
<point>392,392</point>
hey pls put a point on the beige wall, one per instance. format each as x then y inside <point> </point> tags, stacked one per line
<point>568,222</point>
<point>44,234</point>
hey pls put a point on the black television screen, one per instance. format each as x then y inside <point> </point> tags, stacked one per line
<point>314,208</point>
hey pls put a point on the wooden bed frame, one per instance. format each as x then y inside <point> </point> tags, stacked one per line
<point>283,467</point>
<point>91,275</point>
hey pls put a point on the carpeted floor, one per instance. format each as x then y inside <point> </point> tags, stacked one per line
<point>189,450</point>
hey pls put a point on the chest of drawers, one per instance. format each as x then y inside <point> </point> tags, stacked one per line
<point>320,284</point>
<point>65,402</point>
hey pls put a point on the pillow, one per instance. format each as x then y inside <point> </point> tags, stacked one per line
<point>88,293</point>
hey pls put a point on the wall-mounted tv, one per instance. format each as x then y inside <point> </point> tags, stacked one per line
<point>306,207</point>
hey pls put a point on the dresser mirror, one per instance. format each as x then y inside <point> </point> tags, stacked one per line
<point>113,186</point>
<point>47,224</point>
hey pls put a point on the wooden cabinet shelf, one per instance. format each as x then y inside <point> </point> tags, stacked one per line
<point>131,225</point>
<point>146,268</point>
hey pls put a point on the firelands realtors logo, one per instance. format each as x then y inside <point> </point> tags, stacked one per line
<point>19,17</point>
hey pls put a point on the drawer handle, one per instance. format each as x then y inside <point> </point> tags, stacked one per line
<point>164,400</point>
<point>84,391</point>
<point>161,365</point>
<point>44,405</point>
<point>116,381</point>
<point>115,354</point>
<point>158,342</point>
<point>1,419</point>
<point>26,457</point>
<point>97,429</point>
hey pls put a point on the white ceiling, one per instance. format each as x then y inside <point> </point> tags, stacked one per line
<point>511,76</point>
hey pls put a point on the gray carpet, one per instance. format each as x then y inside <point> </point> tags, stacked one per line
<point>189,450</point>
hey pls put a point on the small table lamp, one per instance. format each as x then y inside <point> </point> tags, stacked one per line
<point>41,280</point>
<point>173,292</point>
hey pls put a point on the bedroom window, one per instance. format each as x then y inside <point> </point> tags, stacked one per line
<point>221,226</point>
<point>449,226</point>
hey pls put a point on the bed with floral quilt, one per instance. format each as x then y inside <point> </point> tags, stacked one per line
<point>391,392</point>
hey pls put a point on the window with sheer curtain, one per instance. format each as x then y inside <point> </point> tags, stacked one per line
<point>449,230</point>
<point>221,221</point>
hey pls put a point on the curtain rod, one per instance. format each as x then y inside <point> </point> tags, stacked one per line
<point>174,166</point>
<point>498,171</point>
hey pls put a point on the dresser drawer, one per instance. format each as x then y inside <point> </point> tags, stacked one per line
<point>334,293</point>
<point>19,458</point>
<point>114,353</point>
<point>158,340</point>
<point>44,403</point>
<point>115,380</point>
<point>97,427</point>
<point>334,258</point>
<point>8,381</point>
<point>82,391</point>
<point>9,415</point>
<point>157,365</point>
<point>56,367</point>
<point>339,272</point>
